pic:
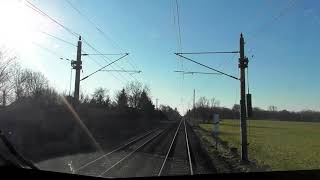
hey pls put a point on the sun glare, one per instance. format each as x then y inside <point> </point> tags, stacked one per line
<point>20,26</point>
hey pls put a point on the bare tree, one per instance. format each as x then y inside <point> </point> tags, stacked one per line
<point>101,97</point>
<point>28,83</point>
<point>35,83</point>
<point>134,90</point>
<point>85,99</point>
<point>214,102</point>
<point>272,108</point>
<point>203,102</point>
<point>6,62</point>
<point>236,108</point>
<point>50,96</point>
<point>18,81</point>
<point>82,97</point>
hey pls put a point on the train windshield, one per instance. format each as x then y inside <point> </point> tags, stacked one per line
<point>159,88</point>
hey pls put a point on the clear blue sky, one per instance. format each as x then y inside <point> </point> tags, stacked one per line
<point>282,35</point>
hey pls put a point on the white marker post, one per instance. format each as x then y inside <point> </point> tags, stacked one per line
<point>215,129</point>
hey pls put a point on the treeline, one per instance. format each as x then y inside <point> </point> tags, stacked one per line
<point>284,115</point>
<point>24,86</point>
<point>41,123</point>
<point>171,114</point>
<point>18,84</point>
<point>131,102</point>
<point>205,108</point>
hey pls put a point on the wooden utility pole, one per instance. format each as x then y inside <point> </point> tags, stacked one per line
<point>243,64</point>
<point>77,65</point>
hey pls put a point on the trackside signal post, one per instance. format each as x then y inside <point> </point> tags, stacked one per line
<point>77,65</point>
<point>243,64</point>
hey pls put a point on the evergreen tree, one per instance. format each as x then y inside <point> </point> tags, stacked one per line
<point>122,99</point>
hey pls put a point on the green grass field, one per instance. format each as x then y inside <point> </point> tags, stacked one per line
<point>282,145</point>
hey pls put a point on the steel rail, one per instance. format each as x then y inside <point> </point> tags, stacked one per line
<point>188,147</point>
<point>169,150</point>
<point>117,149</point>
<point>128,155</point>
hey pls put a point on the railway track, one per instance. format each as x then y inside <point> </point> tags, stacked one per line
<point>160,152</point>
<point>178,160</point>
<point>91,167</point>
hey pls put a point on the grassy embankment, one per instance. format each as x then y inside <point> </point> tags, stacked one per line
<point>280,144</point>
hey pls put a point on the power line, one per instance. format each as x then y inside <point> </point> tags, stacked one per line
<point>179,27</point>
<point>130,71</point>
<point>69,43</point>
<point>179,41</point>
<point>90,21</point>
<point>97,28</point>
<point>105,57</point>
<point>66,59</point>
<point>194,72</point>
<point>211,52</point>
<point>115,54</point>
<point>174,22</point>
<point>64,27</point>
<point>110,54</point>
<point>223,63</point>
<point>89,55</point>
<point>111,73</point>
<point>207,66</point>
<point>94,60</point>
<point>38,10</point>
<point>47,49</point>
<point>275,18</point>
<point>57,38</point>
<point>103,67</point>
<point>59,56</point>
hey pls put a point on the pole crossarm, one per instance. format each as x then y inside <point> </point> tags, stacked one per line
<point>105,66</point>
<point>189,59</point>
<point>66,59</point>
<point>106,54</point>
<point>193,72</point>
<point>210,52</point>
<point>130,71</point>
